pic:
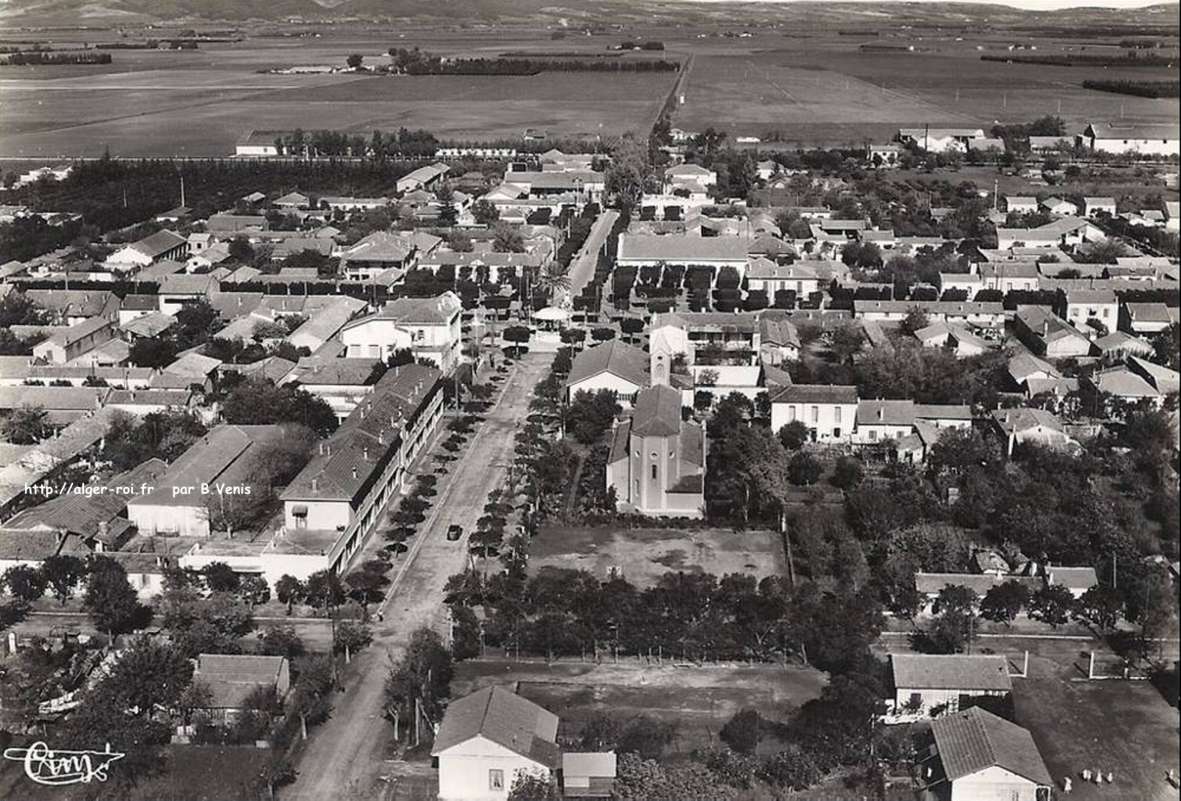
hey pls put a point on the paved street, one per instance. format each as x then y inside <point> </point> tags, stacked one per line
<point>344,757</point>
<point>582,268</point>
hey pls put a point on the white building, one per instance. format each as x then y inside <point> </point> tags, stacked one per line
<point>489,737</point>
<point>978,756</point>
<point>921,682</point>
<point>1154,140</point>
<point>428,327</point>
<point>829,411</point>
<point>341,495</point>
<point>940,140</point>
<point>613,365</point>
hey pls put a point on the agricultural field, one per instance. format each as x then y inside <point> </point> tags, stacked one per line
<point>827,91</point>
<point>643,555</point>
<point>697,700</point>
<point>150,103</point>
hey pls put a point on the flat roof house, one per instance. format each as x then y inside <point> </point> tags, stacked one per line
<point>487,738</point>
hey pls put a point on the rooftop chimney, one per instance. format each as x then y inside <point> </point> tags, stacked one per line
<point>315,485</point>
<point>354,471</point>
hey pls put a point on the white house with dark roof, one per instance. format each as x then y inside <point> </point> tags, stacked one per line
<point>77,340</point>
<point>883,420</point>
<point>1021,204</point>
<point>979,756</point>
<point>1038,426</point>
<point>343,492</point>
<point>829,411</point>
<point>374,254</point>
<point>1098,205</point>
<point>1081,306</point>
<point>613,365</point>
<point>1162,139</point>
<point>1048,335</point>
<point>489,737</point>
<point>657,461</point>
<point>921,682</point>
<point>767,276</point>
<point>1009,275</point>
<point>1148,318</point>
<point>428,327</point>
<point>149,250</point>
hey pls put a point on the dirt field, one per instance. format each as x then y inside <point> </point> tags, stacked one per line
<point>826,90</point>
<point>1123,727</point>
<point>201,103</point>
<point>697,700</point>
<point>643,555</point>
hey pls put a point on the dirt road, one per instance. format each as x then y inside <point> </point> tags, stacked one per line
<point>344,757</point>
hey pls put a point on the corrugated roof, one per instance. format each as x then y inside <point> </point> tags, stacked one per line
<point>159,243</point>
<point>974,740</point>
<point>1075,578</point>
<point>506,719</point>
<point>950,672</point>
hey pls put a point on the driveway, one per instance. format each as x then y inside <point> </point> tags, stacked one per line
<point>344,756</point>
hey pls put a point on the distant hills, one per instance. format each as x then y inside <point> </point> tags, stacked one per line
<point>97,13</point>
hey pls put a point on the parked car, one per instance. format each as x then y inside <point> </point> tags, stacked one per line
<point>454,532</point>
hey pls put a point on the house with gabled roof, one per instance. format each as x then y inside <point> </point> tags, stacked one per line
<point>375,253</point>
<point>977,755</point>
<point>921,682</point>
<point>829,411</point>
<point>1048,335</point>
<point>149,250</point>
<point>68,344</point>
<point>613,365</point>
<point>1037,426</point>
<point>657,460</point>
<point>232,678</point>
<point>1161,139</point>
<point>488,738</point>
<point>344,489</point>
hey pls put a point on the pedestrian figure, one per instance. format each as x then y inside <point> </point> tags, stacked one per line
<point>1086,774</point>
<point>1067,785</point>
<point>1098,777</point>
<point>1110,777</point>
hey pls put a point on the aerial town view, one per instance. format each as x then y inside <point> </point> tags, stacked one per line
<point>652,400</point>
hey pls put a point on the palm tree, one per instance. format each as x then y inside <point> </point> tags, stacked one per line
<point>552,279</point>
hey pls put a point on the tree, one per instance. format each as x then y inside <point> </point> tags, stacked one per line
<point>848,473</point>
<point>1002,603</point>
<point>350,637</point>
<point>27,425</point>
<point>63,572</point>
<point>533,786</point>
<point>915,320</point>
<point>150,674</point>
<point>590,414</point>
<point>794,435</point>
<point>25,582</point>
<point>955,619</point>
<point>518,335</point>
<point>846,341</point>
<point>220,577</point>
<point>241,250</point>
<point>485,212</point>
<point>507,239</point>
<point>290,590</point>
<point>1100,606</point>
<point>1052,604</point>
<point>743,731</point>
<point>280,641</point>
<point>110,599</point>
<point>424,673</point>
<point>804,469</point>
<point>257,401</point>
<point>365,583</point>
<point>324,590</point>
<point>628,172</point>
<point>354,61</point>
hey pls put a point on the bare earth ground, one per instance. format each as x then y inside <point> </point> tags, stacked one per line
<point>825,90</point>
<point>202,103</point>
<point>642,555</point>
<point>697,699</point>
<point>344,756</point>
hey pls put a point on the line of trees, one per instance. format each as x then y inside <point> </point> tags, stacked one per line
<point>41,57</point>
<point>1131,59</point>
<point>1154,89</point>
<point>420,62</point>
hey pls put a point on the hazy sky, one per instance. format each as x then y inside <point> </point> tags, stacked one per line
<point>1029,4</point>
